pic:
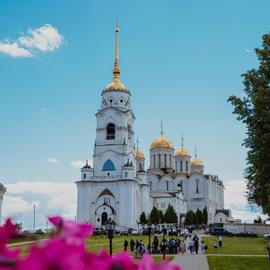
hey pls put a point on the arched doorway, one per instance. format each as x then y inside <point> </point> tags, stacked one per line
<point>104,218</point>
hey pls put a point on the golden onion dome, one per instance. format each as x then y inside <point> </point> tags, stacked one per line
<point>139,154</point>
<point>115,85</point>
<point>161,142</point>
<point>182,152</point>
<point>196,162</point>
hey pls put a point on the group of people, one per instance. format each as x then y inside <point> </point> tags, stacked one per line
<point>195,243</point>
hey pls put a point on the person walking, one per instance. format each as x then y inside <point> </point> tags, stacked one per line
<point>182,246</point>
<point>268,248</point>
<point>220,241</point>
<point>196,243</point>
<point>125,245</point>
<point>202,245</point>
<point>191,246</point>
<point>132,245</point>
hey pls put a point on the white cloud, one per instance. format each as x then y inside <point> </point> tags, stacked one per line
<point>78,164</point>
<point>51,198</point>
<point>13,50</point>
<point>45,38</point>
<point>235,199</point>
<point>246,50</point>
<point>53,161</point>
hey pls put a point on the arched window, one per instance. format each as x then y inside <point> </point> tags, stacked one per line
<point>84,176</point>
<point>140,167</point>
<point>181,166</point>
<point>154,165</point>
<point>167,185</point>
<point>150,184</point>
<point>159,160</point>
<point>165,160</point>
<point>110,131</point>
<point>108,166</point>
<point>129,131</point>
<point>197,185</point>
<point>186,166</point>
<point>126,174</point>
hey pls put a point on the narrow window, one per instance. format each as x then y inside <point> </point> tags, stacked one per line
<point>140,166</point>
<point>126,174</point>
<point>110,131</point>
<point>197,185</point>
<point>186,166</point>
<point>159,160</point>
<point>150,184</point>
<point>181,166</point>
<point>165,160</point>
<point>84,176</point>
<point>167,185</point>
<point>129,131</point>
<point>154,165</point>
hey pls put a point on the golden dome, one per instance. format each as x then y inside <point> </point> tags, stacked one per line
<point>139,154</point>
<point>196,162</point>
<point>161,142</point>
<point>115,85</point>
<point>182,152</point>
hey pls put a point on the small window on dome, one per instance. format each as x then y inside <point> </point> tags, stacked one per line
<point>111,100</point>
<point>84,176</point>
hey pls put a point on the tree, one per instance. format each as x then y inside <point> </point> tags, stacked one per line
<point>143,219</point>
<point>258,220</point>
<point>161,217</point>
<point>189,218</point>
<point>205,215</point>
<point>170,215</point>
<point>199,216</point>
<point>253,110</point>
<point>154,216</point>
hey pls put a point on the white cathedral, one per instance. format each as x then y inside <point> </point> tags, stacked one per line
<point>119,188</point>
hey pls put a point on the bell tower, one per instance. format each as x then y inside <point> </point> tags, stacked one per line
<point>114,145</point>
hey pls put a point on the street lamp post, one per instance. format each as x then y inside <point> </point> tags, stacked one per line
<point>149,235</point>
<point>34,225</point>
<point>110,227</point>
<point>163,244</point>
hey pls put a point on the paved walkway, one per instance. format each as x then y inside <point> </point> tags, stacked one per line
<point>191,262</point>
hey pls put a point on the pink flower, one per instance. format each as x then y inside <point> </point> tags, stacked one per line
<point>73,232</point>
<point>55,254</point>
<point>7,232</point>
<point>148,264</point>
<point>8,257</point>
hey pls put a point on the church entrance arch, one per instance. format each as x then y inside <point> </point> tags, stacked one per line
<point>104,218</point>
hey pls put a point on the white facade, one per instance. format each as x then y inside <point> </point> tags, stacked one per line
<point>118,187</point>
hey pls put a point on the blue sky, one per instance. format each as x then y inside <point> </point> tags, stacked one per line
<point>180,59</point>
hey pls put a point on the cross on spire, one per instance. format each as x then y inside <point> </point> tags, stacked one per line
<point>116,69</point>
<point>161,126</point>
<point>137,142</point>
<point>182,141</point>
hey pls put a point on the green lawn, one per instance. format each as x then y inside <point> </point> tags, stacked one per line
<point>98,243</point>
<point>238,263</point>
<point>237,245</point>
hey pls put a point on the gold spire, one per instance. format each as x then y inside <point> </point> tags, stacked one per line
<point>196,161</point>
<point>116,84</point>
<point>116,70</point>
<point>182,151</point>
<point>138,153</point>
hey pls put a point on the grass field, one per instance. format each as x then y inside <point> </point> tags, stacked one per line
<point>98,243</point>
<point>237,245</point>
<point>238,263</point>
